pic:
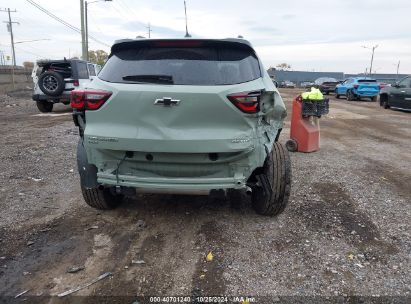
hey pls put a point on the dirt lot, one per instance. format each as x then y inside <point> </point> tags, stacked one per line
<point>346,230</point>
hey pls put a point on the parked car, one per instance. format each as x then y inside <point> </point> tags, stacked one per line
<point>287,84</point>
<point>182,116</point>
<point>306,84</point>
<point>55,79</point>
<point>326,84</point>
<point>275,82</point>
<point>397,96</point>
<point>383,84</point>
<point>386,82</point>
<point>356,88</point>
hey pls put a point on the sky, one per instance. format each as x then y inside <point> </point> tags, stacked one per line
<point>315,35</point>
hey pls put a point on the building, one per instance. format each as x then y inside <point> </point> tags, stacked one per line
<point>304,76</point>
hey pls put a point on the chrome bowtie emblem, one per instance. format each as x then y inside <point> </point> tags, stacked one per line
<point>167,102</point>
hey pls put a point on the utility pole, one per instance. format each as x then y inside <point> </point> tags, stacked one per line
<point>149,30</point>
<point>372,55</point>
<point>83,33</point>
<point>86,26</point>
<point>2,58</point>
<point>372,58</point>
<point>10,29</point>
<point>185,12</point>
<point>398,67</point>
<point>85,21</point>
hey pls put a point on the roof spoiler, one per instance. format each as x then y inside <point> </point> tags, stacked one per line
<point>142,42</point>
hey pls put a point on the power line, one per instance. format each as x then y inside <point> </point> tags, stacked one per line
<point>94,22</point>
<point>72,27</point>
<point>33,40</point>
<point>53,16</point>
<point>29,52</point>
<point>119,12</point>
<point>25,51</point>
<point>127,9</point>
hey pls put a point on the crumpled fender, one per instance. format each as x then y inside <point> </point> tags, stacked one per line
<point>277,111</point>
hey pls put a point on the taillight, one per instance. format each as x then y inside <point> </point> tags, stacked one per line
<point>247,102</point>
<point>77,99</point>
<point>355,86</point>
<point>76,83</point>
<point>88,99</point>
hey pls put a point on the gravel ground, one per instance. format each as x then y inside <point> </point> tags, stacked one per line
<point>346,231</point>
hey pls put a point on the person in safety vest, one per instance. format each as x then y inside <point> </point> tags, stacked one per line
<point>314,94</point>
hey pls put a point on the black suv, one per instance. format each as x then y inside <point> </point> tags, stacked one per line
<point>397,96</point>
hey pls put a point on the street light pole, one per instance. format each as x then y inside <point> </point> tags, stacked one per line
<point>83,34</point>
<point>86,30</point>
<point>398,67</point>
<point>86,23</point>
<point>372,55</point>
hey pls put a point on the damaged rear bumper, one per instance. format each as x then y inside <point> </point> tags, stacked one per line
<point>173,185</point>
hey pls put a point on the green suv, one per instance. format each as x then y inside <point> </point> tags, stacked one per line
<point>182,116</point>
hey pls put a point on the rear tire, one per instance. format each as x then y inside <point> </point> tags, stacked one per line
<point>384,101</point>
<point>95,197</point>
<point>277,174</point>
<point>103,199</point>
<point>44,106</point>
<point>374,98</point>
<point>336,94</point>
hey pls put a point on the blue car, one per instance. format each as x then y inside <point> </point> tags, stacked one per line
<point>356,88</point>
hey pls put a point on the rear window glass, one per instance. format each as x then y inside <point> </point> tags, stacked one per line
<point>91,70</point>
<point>82,70</point>
<point>184,65</point>
<point>367,80</point>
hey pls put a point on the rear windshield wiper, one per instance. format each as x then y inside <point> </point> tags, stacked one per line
<point>150,78</point>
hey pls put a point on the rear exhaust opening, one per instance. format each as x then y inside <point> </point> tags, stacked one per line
<point>213,156</point>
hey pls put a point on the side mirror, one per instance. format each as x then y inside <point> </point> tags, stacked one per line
<point>396,85</point>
